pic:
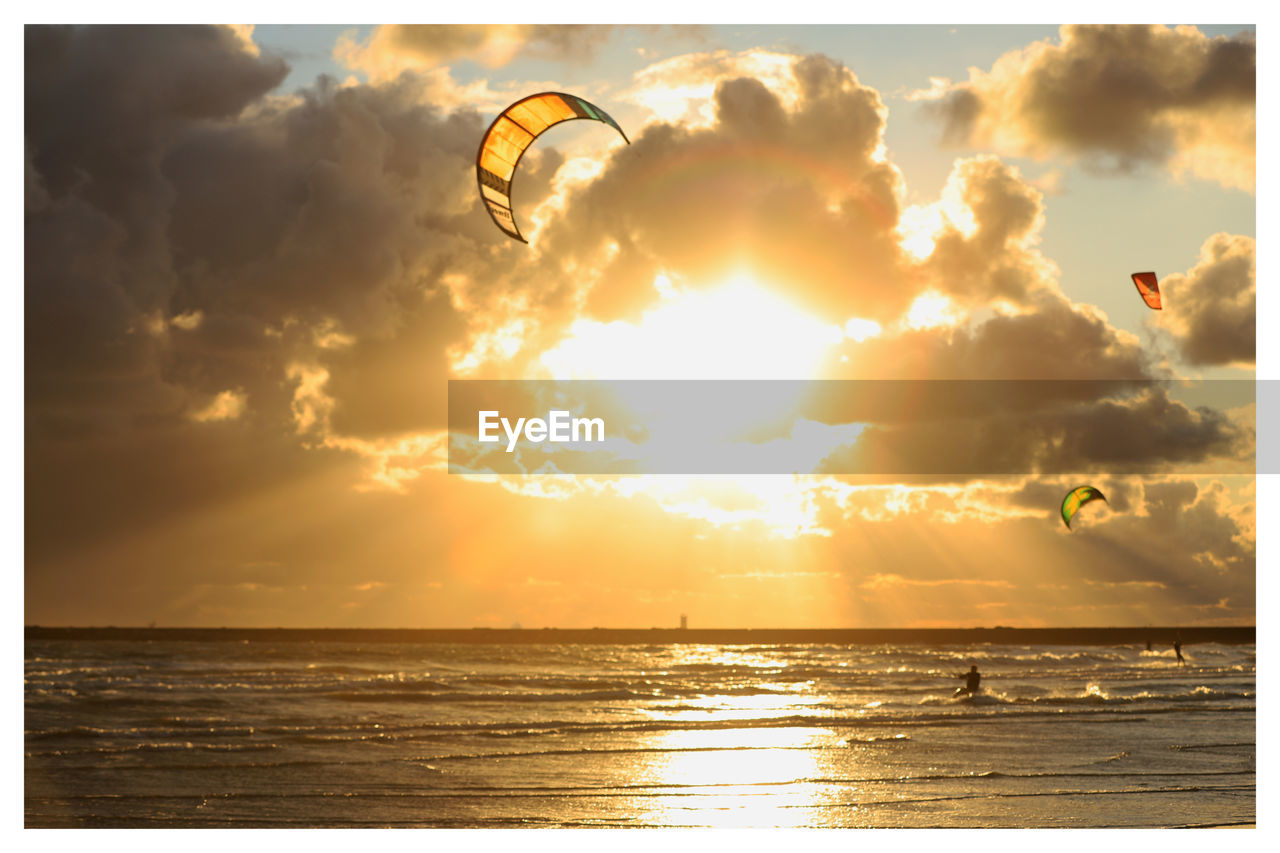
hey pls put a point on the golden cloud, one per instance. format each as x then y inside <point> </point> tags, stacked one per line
<point>1115,96</point>
<point>1211,310</point>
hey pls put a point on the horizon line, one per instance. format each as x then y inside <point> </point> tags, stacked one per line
<point>676,628</point>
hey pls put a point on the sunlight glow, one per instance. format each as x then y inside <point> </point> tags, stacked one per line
<point>682,88</point>
<point>786,507</point>
<point>929,310</point>
<point>226,406</point>
<point>500,344</point>
<point>665,289</point>
<point>739,330</point>
<point>917,227</point>
<point>575,172</point>
<point>920,225</point>
<point>858,329</point>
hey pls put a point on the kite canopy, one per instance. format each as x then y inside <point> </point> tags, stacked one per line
<point>511,134</point>
<point>1076,498</point>
<point>1148,288</point>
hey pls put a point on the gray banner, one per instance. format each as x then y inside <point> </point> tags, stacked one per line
<point>927,428</point>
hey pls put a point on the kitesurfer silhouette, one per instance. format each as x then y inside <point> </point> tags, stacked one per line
<point>972,681</point>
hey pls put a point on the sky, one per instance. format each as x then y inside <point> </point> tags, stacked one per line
<point>255,256</point>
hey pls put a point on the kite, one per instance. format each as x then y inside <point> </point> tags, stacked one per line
<point>1076,498</point>
<point>1148,288</point>
<point>511,134</point>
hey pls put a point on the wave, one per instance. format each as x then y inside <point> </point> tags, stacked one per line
<point>308,733</point>
<point>429,698</point>
<point>858,727</point>
<point>601,693</point>
<point>156,746</point>
<point>834,681</point>
<point>1093,694</point>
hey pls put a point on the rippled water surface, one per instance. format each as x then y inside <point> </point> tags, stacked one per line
<point>338,734</point>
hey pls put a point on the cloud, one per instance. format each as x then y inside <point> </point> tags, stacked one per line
<point>240,305</point>
<point>892,581</point>
<point>1210,310</point>
<point>1188,535</point>
<point>189,237</point>
<point>226,406</point>
<point>392,49</point>
<point>681,89</point>
<point>982,250</point>
<point>1009,430</point>
<point>988,255</point>
<point>794,189</point>
<point>390,461</point>
<point>1134,586</point>
<point>96,131</point>
<point>253,231</point>
<point>100,126</point>
<point>1115,96</point>
<point>1049,338</point>
<point>1162,550</point>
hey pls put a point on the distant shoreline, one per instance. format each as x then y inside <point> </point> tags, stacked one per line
<point>1159,637</point>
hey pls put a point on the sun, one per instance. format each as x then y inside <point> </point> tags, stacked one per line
<point>736,330</point>
<point>739,329</point>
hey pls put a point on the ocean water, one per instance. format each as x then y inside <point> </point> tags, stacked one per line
<point>311,734</point>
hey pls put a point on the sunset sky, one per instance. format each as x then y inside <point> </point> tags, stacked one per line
<point>254,257</point>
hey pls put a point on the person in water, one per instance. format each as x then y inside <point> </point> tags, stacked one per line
<point>1177,650</point>
<point>972,680</point>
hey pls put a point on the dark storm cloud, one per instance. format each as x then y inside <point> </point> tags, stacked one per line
<point>98,119</point>
<point>327,207</point>
<point>186,236</point>
<point>189,238</point>
<point>1144,433</point>
<point>102,105</point>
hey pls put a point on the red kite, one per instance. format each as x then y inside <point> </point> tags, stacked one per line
<point>1148,288</point>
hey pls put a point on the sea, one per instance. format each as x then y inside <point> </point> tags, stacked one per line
<point>305,733</point>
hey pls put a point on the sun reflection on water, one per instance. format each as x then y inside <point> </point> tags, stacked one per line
<point>752,765</point>
<point>736,777</point>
